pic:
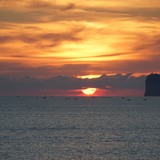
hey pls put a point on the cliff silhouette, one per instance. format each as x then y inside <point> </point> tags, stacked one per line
<point>152,85</point>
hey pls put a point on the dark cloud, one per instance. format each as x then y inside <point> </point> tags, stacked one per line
<point>134,66</point>
<point>44,39</point>
<point>70,6</point>
<point>19,69</point>
<point>149,43</point>
<point>40,4</point>
<point>18,16</point>
<point>48,11</point>
<point>145,12</point>
<point>35,12</point>
<point>105,82</point>
<point>6,39</point>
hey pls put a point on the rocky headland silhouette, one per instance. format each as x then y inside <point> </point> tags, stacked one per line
<point>152,85</point>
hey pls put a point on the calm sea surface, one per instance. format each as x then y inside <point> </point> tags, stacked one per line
<point>70,128</point>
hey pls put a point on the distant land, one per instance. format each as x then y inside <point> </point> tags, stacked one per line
<point>152,85</point>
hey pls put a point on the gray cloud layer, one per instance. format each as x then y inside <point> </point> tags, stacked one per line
<point>105,82</point>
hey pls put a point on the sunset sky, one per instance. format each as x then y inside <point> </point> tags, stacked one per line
<point>53,43</point>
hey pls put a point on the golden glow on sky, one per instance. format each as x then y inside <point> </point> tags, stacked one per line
<point>89,91</point>
<point>89,76</point>
<point>45,38</point>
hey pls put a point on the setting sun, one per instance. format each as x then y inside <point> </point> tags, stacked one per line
<point>89,91</point>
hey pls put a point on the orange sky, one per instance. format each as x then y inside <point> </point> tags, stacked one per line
<point>45,38</point>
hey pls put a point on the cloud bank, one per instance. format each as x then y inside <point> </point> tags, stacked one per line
<point>108,83</point>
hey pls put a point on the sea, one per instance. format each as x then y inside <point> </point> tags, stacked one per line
<point>79,128</point>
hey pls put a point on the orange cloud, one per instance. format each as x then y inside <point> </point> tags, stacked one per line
<point>46,37</point>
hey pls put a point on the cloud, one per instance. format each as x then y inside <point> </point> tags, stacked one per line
<point>52,5</point>
<point>27,4</point>
<point>6,3</point>
<point>41,4</point>
<point>18,16</point>
<point>19,69</point>
<point>20,64</point>
<point>145,12</point>
<point>149,43</point>
<point>105,82</point>
<point>70,6</point>
<point>36,11</point>
<point>135,66</point>
<point>41,40</point>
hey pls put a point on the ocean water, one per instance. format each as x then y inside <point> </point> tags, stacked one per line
<point>77,128</point>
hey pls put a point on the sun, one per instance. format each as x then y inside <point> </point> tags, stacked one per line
<point>89,91</point>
